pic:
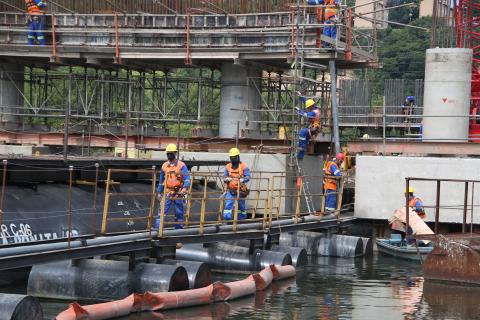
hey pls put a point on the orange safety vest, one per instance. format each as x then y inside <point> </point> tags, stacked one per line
<point>411,204</point>
<point>173,175</point>
<point>329,183</point>
<point>315,122</point>
<point>236,174</point>
<point>320,17</point>
<point>32,7</point>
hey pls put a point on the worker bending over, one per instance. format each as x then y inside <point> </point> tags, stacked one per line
<point>407,107</point>
<point>415,203</point>
<point>235,175</point>
<point>330,184</point>
<point>36,21</point>
<point>174,181</point>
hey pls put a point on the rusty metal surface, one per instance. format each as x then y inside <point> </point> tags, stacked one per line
<point>454,259</point>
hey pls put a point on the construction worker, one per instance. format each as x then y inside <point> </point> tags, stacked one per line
<point>36,21</point>
<point>415,203</point>
<point>235,175</point>
<point>174,181</point>
<point>408,106</point>
<point>311,112</point>
<point>304,137</point>
<point>321,17</point>
<point>330,185</point>
<point>330,30</point>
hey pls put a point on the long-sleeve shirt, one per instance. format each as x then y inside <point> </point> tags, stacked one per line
<point>335,170</point>
<point>40,4</point>
<point>184,172</point>
<point>307,114</point>
<point>304,137</point>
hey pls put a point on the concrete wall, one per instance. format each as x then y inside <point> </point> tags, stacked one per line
<point>270,165</point>
<point>380,182</point>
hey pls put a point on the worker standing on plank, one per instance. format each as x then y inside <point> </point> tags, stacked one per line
<point>415,203</point>
<point>36,21</point>
<point>174,181</point>
<point>236,174</point>
<point>330,184</point>
<point>330,30</point>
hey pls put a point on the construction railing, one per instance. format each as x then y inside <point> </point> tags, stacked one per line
<point>468,206</point>
<point>272,196</point>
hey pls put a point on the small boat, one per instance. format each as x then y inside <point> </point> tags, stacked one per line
<point>397,248</point>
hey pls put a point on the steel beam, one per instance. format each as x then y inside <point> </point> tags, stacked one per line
<point>408,147</point>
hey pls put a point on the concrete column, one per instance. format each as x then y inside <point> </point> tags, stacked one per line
<point>11,92</point>
<point>240,91</point>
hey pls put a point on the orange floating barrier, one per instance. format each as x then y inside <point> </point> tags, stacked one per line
<point>282,272</point>
<point>169,300</point>
<point>233,290</point>
<point>263,279</point>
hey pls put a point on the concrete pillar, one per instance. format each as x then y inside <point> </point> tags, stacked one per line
<point>448,73</point>
<point>11,92</point>
<point>240,91</point>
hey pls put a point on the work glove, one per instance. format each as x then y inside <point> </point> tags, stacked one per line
<point>242,180</point>
<point>297,109</point>
<point>227,179</point>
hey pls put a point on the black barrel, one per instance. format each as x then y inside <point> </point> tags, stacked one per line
<point>299,255</point>
<point>103,279</point>
<point>199,274</point>
<point>19,307</point>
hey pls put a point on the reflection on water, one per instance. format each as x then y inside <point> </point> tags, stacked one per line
<point>379,287</point>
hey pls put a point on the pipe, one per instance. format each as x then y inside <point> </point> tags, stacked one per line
<point>103,279</point>
<point>299,255</point>
<point>225,256</point>
<point>323,245</point>
<point>199,274</point>
<point>39,248</point>
<point>19,307</point>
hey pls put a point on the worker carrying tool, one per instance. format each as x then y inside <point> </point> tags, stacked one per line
<point>304,137</point>
<point>236,174</point>
<point>36,21</point>
<point>330,183</point>
<point>174,181</point>
<point>416,204</point>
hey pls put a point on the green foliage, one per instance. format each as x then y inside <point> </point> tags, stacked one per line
<point>402,56</point>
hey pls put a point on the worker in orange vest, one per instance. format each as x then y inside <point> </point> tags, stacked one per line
<point>36,21</point>
<point>415,203</point>
<point>235,175</point>
<point>330,184</point>
<point>174,181</point>
<point>322,14</point>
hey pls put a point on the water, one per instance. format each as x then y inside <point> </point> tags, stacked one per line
<point>378,287</point>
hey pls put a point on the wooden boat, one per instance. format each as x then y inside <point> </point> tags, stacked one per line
<point>398,249</point>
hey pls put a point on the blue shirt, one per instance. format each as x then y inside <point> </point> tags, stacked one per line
<point>304,137</point>
<point>246,173</point>
<point>334,170</point>
<point>304,113</point>
<point>185,174</point>
<point>40,4</point>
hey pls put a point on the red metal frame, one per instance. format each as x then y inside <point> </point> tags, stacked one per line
<point>467,28</point>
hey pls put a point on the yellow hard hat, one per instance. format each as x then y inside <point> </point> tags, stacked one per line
<point>309,103</point>
<point>233,152</point>
<point>410,190</point>
<point>171,148</point>
<point>366,136</point>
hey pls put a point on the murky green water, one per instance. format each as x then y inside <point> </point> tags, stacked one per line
<point>378,287</point>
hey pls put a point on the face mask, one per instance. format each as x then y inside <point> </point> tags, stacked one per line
<point>171,156</point>
<point>235,160</point>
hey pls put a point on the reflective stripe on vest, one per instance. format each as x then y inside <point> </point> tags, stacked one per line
<point>32,7</point>
<point>329,183</point>
<point>173,175</point>
<point>236,174</point>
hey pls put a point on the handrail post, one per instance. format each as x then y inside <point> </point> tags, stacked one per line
<point>152,201</point>
<point>203,206</point>
<point>266,205</point>
<point>465,205</point>
<point>70,183</point>
<point>189,204</point>
<point>235,207</point>
<point>4,182</point>
<point>299,193</point>
<point>106,202</point>
<point>437,206</point>
<point>95,196</point>
<point>407,208</point>
<point>162,210</point>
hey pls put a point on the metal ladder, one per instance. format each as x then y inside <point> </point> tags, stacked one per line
<point>306,188</point>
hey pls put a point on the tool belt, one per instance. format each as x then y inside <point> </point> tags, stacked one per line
<point>174,191</point>
<point>243,192</point>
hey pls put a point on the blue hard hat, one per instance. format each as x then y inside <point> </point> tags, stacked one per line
<point>410,98</point>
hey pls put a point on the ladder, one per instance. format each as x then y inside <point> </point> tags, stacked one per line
<point>306,188</point>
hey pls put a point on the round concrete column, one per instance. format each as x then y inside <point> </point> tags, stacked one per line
<point>448,73</point>
<point>11,90</point>
<point>240,91</point>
